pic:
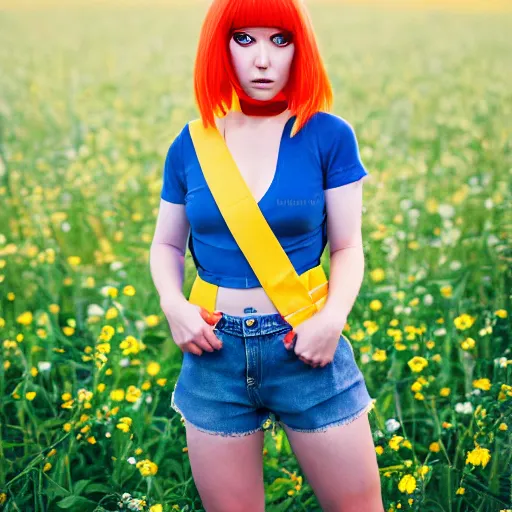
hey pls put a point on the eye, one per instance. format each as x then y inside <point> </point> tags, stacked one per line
<point>239,36</point>
<point>282,39</point>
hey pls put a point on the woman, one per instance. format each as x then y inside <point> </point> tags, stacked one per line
<point>260,85</point>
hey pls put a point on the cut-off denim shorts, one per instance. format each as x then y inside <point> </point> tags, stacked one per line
<point>236,390</point>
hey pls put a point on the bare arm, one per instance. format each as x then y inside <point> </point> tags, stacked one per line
<point>167,253</point>
<point>344,212</point>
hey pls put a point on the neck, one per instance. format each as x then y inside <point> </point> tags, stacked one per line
<point>252,107</point>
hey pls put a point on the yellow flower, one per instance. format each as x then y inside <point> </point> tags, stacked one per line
<point>379,355</point>
<point>146,467</point>
<point>156,508</point>
<point>478,456</point>
<point>484,384</point>
<point>503,426</point>
<point>30,395</point>
<point>446,291</point>
<point>379,450</point>
<point>501,313</point>
<point>375,305</point>
<point>394,442</point>
<point>66,427</point>
<point>153,368</point>
<point>74,261</point>
<point>445,391</point>
<point>460,490</point>
<point>25,318</point>
<point>464,321</point>
<point>91,440</point>
<point>47,467</point>
<point>377,275</point>
<point>407,484</point>
<point>130,345</point>
<point>123,426</point>
<point>152,320</point>
<point>468,344</point>
<point>117,395</point>
<point>133,394</point>
<point>129,290</point>
<point>417,363</point>
<point>434,447</point>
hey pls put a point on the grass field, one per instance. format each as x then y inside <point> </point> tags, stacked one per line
<point>92,94</point>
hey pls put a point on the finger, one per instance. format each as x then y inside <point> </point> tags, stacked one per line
<point>192,348</point>
<point>203,343</point>
<point>213,340</point>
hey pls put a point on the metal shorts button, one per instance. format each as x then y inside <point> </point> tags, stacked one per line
<point>249,322</point>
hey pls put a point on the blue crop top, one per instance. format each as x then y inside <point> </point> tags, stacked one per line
<point>323,154</point>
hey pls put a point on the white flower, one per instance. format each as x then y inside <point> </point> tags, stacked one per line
<point>44,366</point>
<point>392,425</point>
<point>464,408</point>
<point>488,203</point>
<point>405,204</point>
<point>365,359</point>
<point>440,332</point>
<point>116,265</point>
<point>428,300</point>
<point>124,362</point>
<point>501,362</point>
<point>492,240</point>
<point>131,460</point>
<point>95,310</point>
<point>446,210</point>
<point>65,226</point>
<point>455,265</point>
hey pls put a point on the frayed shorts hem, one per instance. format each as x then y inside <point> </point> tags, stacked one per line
<point>344,421</point>
<point>214,432</point>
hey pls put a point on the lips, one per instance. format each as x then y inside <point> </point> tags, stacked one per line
<point>263,81</point>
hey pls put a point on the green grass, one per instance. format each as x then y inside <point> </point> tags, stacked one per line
<point>90,99</point>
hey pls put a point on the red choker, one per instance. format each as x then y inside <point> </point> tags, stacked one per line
<point>253,107</point>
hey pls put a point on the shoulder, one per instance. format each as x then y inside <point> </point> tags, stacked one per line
<point>332,126</point>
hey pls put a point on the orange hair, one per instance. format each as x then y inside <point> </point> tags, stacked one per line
<point>308,89</point>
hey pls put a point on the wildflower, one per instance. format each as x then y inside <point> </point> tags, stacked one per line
<point>407,484</point>
<point>501,313</point>
<point>484,384</point>
<point>417,363</point>
<point>25,318</point>
<point>434,447</point>
<point>464,321</point>
<point>460,490</point>
<point>153,368</point>
<point>146,467</point>
<point>478,456</point>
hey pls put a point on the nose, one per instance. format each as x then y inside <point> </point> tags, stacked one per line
<point>262,56</point>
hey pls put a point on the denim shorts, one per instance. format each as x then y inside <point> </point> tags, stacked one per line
<point>235,391</point>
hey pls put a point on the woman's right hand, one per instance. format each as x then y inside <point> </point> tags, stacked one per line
<point>189,330</point>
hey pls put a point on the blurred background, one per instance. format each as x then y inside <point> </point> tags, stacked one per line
<point>91,96</point>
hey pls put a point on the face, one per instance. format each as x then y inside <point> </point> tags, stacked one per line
<point>261,53</point>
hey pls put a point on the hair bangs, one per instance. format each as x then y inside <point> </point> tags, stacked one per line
<point>264,13</point>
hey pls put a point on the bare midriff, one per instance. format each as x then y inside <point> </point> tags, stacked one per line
<point>234,301</point>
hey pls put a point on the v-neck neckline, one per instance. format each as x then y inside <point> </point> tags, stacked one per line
<point>284,135</point>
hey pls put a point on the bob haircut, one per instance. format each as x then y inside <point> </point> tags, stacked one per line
<point>308,89</point>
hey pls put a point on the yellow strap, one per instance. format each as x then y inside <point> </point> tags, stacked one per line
<point>289,292</point>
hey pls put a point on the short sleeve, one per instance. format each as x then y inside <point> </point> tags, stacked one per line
<point>342,162</point>
<point>174,182</point>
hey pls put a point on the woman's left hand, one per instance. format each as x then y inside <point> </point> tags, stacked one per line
<point>317,339</point>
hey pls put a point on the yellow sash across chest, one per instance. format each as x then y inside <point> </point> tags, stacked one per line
<point>296,297</point>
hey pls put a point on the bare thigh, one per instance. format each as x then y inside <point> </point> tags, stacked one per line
<point>227,471</point>
<point>341,466</point>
